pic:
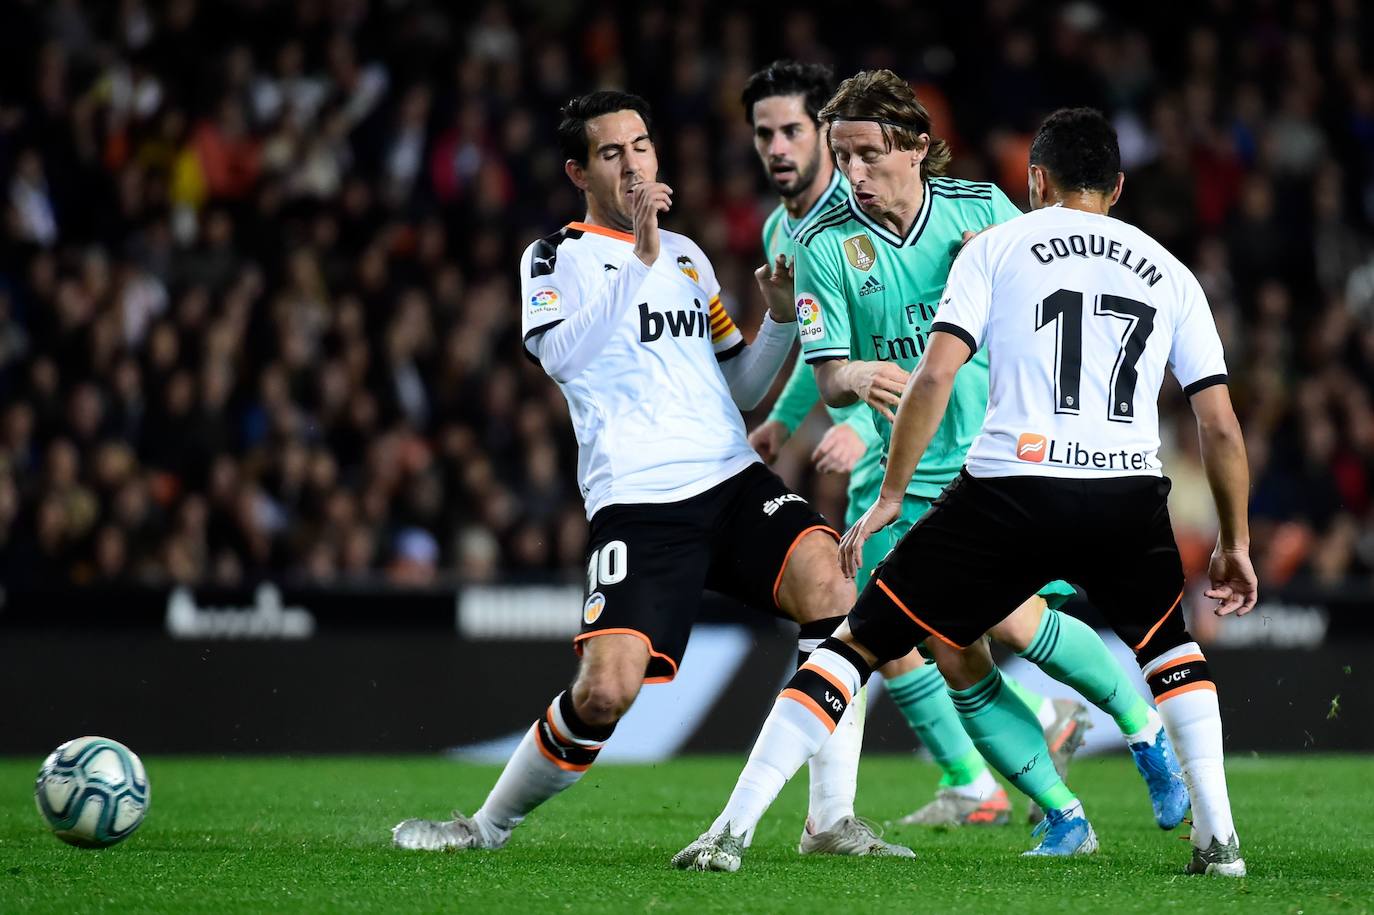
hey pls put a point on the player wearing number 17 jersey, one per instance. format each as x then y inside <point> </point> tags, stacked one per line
<point>1078,314</point>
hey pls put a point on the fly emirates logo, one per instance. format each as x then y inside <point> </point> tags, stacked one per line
<point>1034,448</point>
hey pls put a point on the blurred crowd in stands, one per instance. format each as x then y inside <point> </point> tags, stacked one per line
<point>258,289</point>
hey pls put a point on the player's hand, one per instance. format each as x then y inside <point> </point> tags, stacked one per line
<point>768,440</point>
<point>777,284</point>
<point>649,198</point>
<point>879,515</point>
<point>878,384</point>
<point>839,449</point>
<point>1234,585</point>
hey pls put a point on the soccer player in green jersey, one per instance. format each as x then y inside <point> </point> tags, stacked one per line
<point>870,274</point>
<point>782,102</point>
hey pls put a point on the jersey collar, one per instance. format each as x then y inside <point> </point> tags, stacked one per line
<point>793,226</point>
<point>918,224</point>
<point>601,230</point>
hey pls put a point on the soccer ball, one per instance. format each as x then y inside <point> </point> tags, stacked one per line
<point>93,792</point>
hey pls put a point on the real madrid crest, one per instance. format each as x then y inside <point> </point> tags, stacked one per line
<point>859,251</point>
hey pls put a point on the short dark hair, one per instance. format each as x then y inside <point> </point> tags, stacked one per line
<point>572,130</point>
<point>1078,147</point>
<point>813,82</point>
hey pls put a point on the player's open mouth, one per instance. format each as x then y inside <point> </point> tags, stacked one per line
<point>864,199</point>
<point>782,171</point>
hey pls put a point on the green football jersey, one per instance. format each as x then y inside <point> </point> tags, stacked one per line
<point>800,394</point>
<point>867,294</point>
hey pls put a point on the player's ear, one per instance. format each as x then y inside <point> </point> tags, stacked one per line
<point>1116,194</point>
<point>922,149</point>
<point>576,173</point>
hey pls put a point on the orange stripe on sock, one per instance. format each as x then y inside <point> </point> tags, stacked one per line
<point>916,619</point>
<point>1155,628</point>
<point>1176,662</point>
<point>810,705</point>
<point>562,764</point>
<point>1180,690</point>
<point>830,678</point>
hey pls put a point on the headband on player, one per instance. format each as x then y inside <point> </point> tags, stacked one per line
<point>883,121</point>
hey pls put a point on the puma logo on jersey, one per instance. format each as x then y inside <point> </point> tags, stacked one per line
<point>1031,447</point>
<point>679,323</point>
<point>772,505</point>
<point>610,266</point>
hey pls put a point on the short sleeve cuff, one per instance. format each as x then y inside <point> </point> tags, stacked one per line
<point>825,355</point>
<point>957,331</point>
<point>1203,384</point>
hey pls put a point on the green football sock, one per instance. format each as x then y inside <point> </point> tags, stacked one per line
<point>1034,701</point>
<point>1008,735</point>
<point>1071,652</point>
<point>925,703</point>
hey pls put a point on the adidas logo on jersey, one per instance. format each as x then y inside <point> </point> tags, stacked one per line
<point>872,284</point>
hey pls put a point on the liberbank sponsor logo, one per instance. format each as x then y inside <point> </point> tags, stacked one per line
<point>1039,449</point>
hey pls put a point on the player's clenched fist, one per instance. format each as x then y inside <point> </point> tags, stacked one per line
<point>649,199</point>
<point>768,440</point>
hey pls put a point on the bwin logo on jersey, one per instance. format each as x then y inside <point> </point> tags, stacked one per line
<point>772,505</point>
<point>679,323</point>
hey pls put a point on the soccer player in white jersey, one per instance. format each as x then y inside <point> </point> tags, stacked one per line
<point>1079,314</point>
<point>626,318</point>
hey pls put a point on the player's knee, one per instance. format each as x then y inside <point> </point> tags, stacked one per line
<point>962,667</point>
<point>603,700</point>
<point>1018,630</point>
<point>813,587</point>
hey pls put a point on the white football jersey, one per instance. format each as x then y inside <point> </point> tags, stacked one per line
<point>1079,314</point>
<point>653,415</point>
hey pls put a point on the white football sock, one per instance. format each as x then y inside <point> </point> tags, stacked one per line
<point>834,769</point>
<point>791,735</point>
<point>1192,719</point>
<point>980,789</point>
<point>533,774</point>
<point>1148,733</point>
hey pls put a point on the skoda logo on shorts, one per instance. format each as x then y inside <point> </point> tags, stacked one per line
<point>591,610</point>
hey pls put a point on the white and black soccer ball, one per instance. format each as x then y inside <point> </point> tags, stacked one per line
<point>93,792</point>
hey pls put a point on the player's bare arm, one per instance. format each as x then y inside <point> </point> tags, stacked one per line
<point>919,412</point>
<point>1234,585</point>
<point>878,384</point>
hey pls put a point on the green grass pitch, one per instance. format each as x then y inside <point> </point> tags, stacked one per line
<point>311,835</point>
